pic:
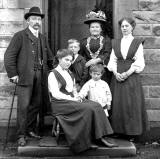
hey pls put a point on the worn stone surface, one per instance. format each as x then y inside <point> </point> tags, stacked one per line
<point>149,5</point>
<point>4,41</point>
<point>147,16</point>
<point>7,28</point>
<point>4,81</point>
<point>143,29</point>
<point>150,79</point>
<point>153,115</point>
<point>1,3</point>
<point>6,91</point>
<point>4,114</point>
<point>154,92</point>
<point>2,51</point>
<point>2,68</point>
<point>156,30</point>
<point>5,102</point>
<point>151,68</point>
<point>152,43</point>
<point>146,91</point>
<point>155,124</point>
<point>21,3</point>
<point>152,55</point>
<point>12,15</point>
<point>152,103</point>
<point>28,3</point>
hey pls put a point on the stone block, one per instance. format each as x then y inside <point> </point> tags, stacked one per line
<point>154,124</point>
<point>152,43</point>
<point>4,114</point>
<point>11,4</point>
<point>2,69</point>
<point>156,30</point>
<point>6,91</point>
<point>143,29</point>
<point>1,3</point>
<point>2,51</point>
<point>5,102</point>
<point>154,92</point>
<point>129,4</point>
<point>4,124</point>
<point>28,3</point>
<point>4,41</point>
<point>153,115</point>
<point>151,68</point>
<point>148,17</point>
<point>149,5</point>
<point>152,55</point>
<point>9,28</point>
<point>12,15</point>
<point>146,91</point>
<point>150,79</point>
<point>152,103</point>
<point>4,81</point>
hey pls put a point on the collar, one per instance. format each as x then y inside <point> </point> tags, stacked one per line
<point>34,32</point>
<point>93,81</point>
<point>95,37</point>
<point>60,68</point>
<point>75,57</point>
<point>130,36</point>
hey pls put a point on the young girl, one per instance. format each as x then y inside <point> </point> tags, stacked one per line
<point>78,67</point>
<point>96,89</point>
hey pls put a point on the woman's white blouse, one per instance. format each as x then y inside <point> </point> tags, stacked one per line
<point>54,86</point>
<point>139,63</point>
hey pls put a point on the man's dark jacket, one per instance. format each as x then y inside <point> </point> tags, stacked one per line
<point>19,57</point>
<point>19,60</point>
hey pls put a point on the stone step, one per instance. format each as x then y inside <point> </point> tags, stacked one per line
<point>48,147</point>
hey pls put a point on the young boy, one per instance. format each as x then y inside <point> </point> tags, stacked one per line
<point>96,89</point>
<point>78,67</point>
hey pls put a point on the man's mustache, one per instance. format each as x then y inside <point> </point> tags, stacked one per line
<point>37,25</point>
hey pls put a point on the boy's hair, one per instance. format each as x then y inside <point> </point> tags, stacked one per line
<point>97,68</point>
<point>71,41</point>
<point>63,53</point>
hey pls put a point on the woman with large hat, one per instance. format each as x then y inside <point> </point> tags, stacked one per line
<point>97,47</point>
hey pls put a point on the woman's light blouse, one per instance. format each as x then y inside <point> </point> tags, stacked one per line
<point>54,86</point>
<point>139,63</point>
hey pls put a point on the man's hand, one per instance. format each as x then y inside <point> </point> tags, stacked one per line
<point>14,79</point>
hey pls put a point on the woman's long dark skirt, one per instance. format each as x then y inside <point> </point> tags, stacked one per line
<point>129,116</point>
<point>82,122</point>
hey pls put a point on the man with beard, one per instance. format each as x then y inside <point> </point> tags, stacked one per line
<point>27,61</point>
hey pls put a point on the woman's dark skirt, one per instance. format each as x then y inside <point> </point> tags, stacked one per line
<point>129,115</point>
<point>82,122</point>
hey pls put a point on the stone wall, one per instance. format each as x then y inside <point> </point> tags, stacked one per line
<point>148,17</point>
<point>11,21</point>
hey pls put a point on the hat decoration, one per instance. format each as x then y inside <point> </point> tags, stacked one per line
<point>34,11</point>
<point>95,16</point>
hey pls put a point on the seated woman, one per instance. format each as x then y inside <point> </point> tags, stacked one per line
<point>83,122</point>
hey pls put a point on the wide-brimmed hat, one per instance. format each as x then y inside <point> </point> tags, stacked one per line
<point>98,16</point>
<point>34,11</point>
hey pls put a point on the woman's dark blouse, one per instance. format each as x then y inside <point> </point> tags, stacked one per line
<point>94,46</point>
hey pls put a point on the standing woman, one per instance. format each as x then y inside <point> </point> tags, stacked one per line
<point>97,47</point>
<point>127,62</point>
